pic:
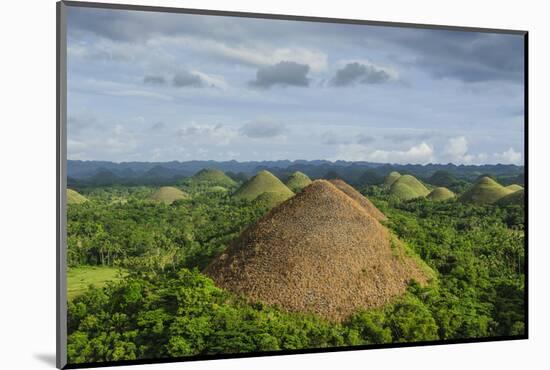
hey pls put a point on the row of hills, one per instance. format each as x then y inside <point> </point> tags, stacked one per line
<point>99,173</point>
<point>268,188</point>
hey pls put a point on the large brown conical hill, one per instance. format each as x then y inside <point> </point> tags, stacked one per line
<point>317,252</point>
<point>359,198</point>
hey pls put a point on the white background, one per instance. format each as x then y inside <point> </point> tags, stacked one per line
<point>27,183</point>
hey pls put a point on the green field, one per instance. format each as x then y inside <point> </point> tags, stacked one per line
<point>80,278</point>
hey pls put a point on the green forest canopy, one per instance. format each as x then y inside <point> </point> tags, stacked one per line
<point>163,306</point>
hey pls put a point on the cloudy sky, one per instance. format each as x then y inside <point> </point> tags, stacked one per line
<point>161,87</point>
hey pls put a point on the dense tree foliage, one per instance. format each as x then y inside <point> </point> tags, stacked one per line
<point>479,254</point>
<point>141,233</point>
<point>165,307</point>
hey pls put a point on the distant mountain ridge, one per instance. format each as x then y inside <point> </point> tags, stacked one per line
<point>162,173</point>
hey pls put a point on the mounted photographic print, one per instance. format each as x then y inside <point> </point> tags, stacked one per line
<point>237,185</point>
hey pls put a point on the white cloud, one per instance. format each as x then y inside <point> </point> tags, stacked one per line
<point>317,61</point>
<point>252,55</point>
<point>138,93</point>
<point>509,156</point>
<point>212,80</point>
<point>392,73</point>
<point>76,146</point>
<point>457,148</point>
<point>198,135</point>
<point>332,138</point>
<point>482,157</point>
<point>421,153</point>
<point>262,129</point>
<point>146,55</point>
<point>457,151</point>
<point>120,89</point>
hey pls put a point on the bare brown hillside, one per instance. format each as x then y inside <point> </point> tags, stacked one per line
<point>359,198</point>
<point>318,252</point>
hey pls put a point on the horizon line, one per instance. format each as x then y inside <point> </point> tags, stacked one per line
<point>303,160</point>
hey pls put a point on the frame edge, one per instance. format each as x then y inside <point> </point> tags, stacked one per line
<point>61,193</point>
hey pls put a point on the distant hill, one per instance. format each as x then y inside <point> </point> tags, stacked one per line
<point>514,187</point>
<point>442,178</point>
<point>356,173</point>
<point>507,179</point>
<point>332,175</point>
<point>297,181</point>
<point>103,177</point>
<point>212,176</point>
<point>318,252</point>
<point>485,191</point>
<point>237,177</point>
<point>157,172</point>
<point>370,177</point>
<point>515,198</point>
<point>74,197</point>
<point>390,179</point>
<point>168,195</point>
<point>360,199</point>
<point>440,194</point>
<point>407,187</point>
<point>263,182</point>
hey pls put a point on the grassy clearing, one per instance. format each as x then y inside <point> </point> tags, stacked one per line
<point>79,278</point>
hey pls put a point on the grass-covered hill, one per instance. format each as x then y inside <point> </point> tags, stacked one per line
<point>74,197</point>
<point>297,181</point>
<point>168,195</point>
<point>440,194</point>
<point>282,258</point>
<point>212,176</point>
<point>514,187</point>
<point>484,191</point>
<point>263,182</point>
<point>390,179</point>
<point>515,198</point>
<point>407,187</point>
<point>271,199</point>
